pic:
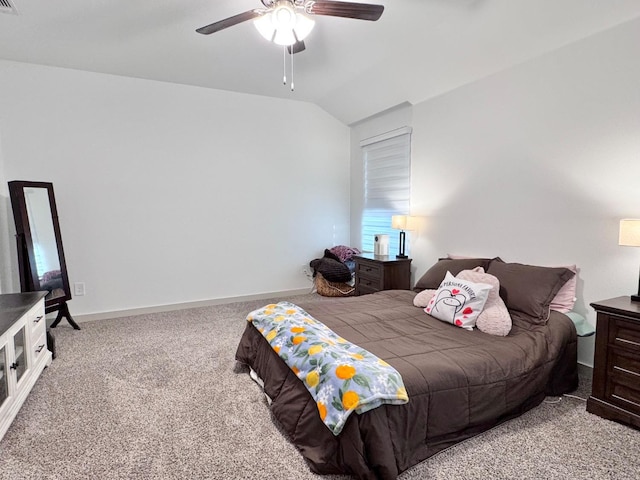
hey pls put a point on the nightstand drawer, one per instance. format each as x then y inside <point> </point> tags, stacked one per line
<point>624,333</point>
<point>621,360</point>
<point>369,270</point>
<point>369,284</point>
<point>622,390</point>
<point>381,272</point>
<point>364,290</point>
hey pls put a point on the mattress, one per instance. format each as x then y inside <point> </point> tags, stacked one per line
<point>460,383</point>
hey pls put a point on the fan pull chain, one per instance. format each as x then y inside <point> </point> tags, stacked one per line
<point>284,65</point>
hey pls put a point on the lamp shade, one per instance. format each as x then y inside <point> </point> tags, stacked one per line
<point>399,222</point>
<point>283,25</point>
<point>629,233</point>
<point>404,222</point>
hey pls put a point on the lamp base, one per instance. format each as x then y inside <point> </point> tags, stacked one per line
<point>404,256</point>
<point>635,298</point>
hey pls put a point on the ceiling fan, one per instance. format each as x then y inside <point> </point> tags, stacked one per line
<point>284,22</point>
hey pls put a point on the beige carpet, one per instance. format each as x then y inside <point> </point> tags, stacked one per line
<point>156,397</point>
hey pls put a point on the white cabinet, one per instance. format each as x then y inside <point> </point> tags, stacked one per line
<point>23,350</point>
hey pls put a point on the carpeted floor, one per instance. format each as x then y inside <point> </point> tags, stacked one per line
<point>156,397</point>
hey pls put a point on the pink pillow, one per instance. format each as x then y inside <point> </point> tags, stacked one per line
<point>494,318</point>
<point>565,299</point>
<point>459,257</point>
<point>423,298</point>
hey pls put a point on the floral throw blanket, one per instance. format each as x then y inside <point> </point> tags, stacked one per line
<point>341,377</point>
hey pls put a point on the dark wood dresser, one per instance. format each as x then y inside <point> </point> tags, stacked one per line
<point>381,272</point>
<point>616,371</point>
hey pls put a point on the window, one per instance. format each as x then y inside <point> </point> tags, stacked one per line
<point>387,185</point>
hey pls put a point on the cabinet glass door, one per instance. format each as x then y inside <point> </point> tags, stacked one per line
<point>4,384</point>
<point>20,361</point>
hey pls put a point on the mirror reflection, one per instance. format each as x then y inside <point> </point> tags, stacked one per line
<point>43,237</point>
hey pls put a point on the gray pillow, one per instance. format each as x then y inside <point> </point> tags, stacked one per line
<point>529,289</point>
<point>433,277</point>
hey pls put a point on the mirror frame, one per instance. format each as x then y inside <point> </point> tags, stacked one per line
<point>29,280</point>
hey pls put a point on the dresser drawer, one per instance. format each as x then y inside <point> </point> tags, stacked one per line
<point>36,319</point>
<point>369,270</point>
<point>39,347</point>
<point>37,333</point>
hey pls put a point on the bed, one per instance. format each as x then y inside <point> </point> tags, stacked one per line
<point>460,383</point>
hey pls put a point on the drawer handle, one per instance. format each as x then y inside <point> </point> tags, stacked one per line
<point>630,342</point>
<point>38,319</point>
<point>624,370</point>
<point>39,349</point>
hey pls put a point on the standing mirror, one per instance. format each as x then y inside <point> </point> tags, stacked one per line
<point>40,254</point>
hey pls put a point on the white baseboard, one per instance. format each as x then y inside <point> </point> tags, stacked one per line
<point>90,317</point>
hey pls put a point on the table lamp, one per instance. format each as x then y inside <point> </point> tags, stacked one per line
<point>630,237</point>
<point>402,223</point>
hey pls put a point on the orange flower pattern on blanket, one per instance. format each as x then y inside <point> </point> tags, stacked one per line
<point>298,340</point>
<point>350,400</point>
<point>341,377</point>
<point>322,410</point>
<point>345,372</point>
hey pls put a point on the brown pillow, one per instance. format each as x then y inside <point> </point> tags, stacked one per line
<point>528,288</point>
<point>433,277</point>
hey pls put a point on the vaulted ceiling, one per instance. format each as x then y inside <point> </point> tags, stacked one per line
<point>351,68</point>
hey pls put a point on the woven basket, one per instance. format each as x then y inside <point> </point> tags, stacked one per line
<point>333,289</point>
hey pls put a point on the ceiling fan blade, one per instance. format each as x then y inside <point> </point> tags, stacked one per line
<point>296,47</point>
<point>229,22</point>
<point>359,11</point>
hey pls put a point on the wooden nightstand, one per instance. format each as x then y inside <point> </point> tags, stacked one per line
<point>616,370</point>
<point>376,272</point>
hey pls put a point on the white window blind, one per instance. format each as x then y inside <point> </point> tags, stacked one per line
<point>387,185</point>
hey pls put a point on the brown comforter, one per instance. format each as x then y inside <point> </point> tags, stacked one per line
<point>460,382</point>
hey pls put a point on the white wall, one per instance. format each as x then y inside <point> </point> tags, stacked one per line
<point>170,194</point>
<point>537,164</point>
<point>7,244</point>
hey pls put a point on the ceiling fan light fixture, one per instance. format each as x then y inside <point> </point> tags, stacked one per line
<point>264,25</point>
<point>284,37</point>
<point>284,16</point>
<point>303,27</point>
<point>283,25</point>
